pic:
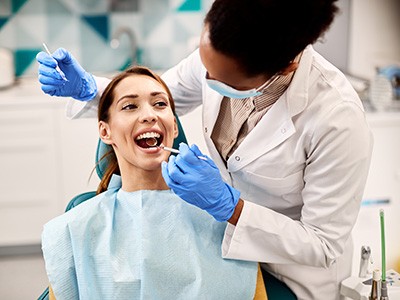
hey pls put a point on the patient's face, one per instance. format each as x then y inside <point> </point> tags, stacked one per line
<point>140,110</point>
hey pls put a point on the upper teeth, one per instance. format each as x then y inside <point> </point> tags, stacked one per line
<point>147,135</point>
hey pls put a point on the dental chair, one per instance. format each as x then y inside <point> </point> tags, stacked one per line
<point>276,289</point>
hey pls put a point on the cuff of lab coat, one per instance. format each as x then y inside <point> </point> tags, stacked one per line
<point>76,109</point>
<point>232,237</point>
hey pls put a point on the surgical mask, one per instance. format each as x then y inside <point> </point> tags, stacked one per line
<point>230,92</point>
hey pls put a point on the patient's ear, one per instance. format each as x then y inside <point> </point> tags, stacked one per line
<point>105,132</point>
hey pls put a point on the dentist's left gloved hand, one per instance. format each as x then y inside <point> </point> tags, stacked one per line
<point>199,182</point>
<point>80,85</point>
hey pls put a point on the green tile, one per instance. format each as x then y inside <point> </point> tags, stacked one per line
<point>3,21</point>
<point>23,59</point>
<point>99,24</point>
<point>190,5</point>
<point>17,4</point>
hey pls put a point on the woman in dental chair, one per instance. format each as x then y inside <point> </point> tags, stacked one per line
<point>136,239</point>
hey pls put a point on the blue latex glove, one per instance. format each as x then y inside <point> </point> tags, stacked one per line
<point>79,85</point>
<point>199,182</point>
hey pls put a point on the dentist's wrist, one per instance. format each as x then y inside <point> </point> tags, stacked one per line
<point>237,212</point>
<point>88,88</point>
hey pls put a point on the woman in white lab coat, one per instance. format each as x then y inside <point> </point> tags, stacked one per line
<point>284,127</point>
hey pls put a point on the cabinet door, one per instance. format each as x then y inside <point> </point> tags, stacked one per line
<point>383,183</point>
<point>78,144</point>
<point>29,182</point>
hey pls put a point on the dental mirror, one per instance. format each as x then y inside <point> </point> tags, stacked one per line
<point>151,142</point>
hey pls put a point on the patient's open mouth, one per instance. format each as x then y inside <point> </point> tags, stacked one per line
<point>149,139</point>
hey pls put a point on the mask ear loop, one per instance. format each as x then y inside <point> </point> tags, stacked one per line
<point>293,67</point>
<point>268,83</point>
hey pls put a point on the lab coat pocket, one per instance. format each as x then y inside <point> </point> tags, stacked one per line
<point>288,188</point>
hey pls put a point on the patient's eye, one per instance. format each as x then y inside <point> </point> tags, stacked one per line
<point>161,103</point>
<point>129,106</point>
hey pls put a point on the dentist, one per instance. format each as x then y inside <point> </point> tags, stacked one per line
<point>287,134</point>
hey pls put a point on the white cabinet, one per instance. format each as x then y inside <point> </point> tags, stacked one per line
<point>383,184</point>
<point>45,160</point>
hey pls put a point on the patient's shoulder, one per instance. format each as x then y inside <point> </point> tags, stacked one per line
<point>83,213</point>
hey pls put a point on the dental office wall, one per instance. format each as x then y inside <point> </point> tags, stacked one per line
<point>85,27</point>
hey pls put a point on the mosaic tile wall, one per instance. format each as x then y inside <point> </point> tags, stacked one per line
<point>162,31</point>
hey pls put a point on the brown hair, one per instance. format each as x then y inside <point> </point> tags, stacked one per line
<point>106,101</point>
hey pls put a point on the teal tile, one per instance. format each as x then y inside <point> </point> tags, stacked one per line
<point>17,4</point>
<point>3,21</point>
<point>190,5</point>
<point>99,24</point>
<point>23,59</point>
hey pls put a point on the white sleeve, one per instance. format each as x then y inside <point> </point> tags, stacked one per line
<point>335,174</point>
<point>185,82</point>
<point>76,109</point>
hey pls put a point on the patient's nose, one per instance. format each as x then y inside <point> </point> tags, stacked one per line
<point>147,114</point>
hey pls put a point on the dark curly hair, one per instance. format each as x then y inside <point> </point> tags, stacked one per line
<point>263,36</point>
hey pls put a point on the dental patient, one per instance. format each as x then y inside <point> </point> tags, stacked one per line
<point>136,239</point>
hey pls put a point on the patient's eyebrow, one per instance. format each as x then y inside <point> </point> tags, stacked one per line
<point>128,96</point>
<point>137,96</point>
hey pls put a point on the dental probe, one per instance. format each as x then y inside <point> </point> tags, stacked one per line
<point>169,149</point>
<point>57,67</point>
<point>152,142</point>
<point>177,151</point>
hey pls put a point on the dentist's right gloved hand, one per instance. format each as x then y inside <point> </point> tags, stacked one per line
<point>199,182</point>
<point>79,85</point>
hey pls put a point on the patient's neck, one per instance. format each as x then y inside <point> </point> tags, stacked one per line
<point>143,180</point>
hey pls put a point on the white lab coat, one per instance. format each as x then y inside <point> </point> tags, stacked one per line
<point>301,172</point>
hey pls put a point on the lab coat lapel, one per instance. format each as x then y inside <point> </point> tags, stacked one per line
<point>274,128</point>
<point>277,125</point>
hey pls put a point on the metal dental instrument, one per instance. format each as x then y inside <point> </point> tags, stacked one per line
<point>364,261</point>
<point>57,67</point>
<point>169,149</point>
<point>374,295</point>
<point>152,142</point>
<point>177,151</point>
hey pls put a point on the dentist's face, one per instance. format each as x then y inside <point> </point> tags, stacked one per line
<point>140,110</point>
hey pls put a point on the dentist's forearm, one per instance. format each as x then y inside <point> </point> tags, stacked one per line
<point>237,212</point>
